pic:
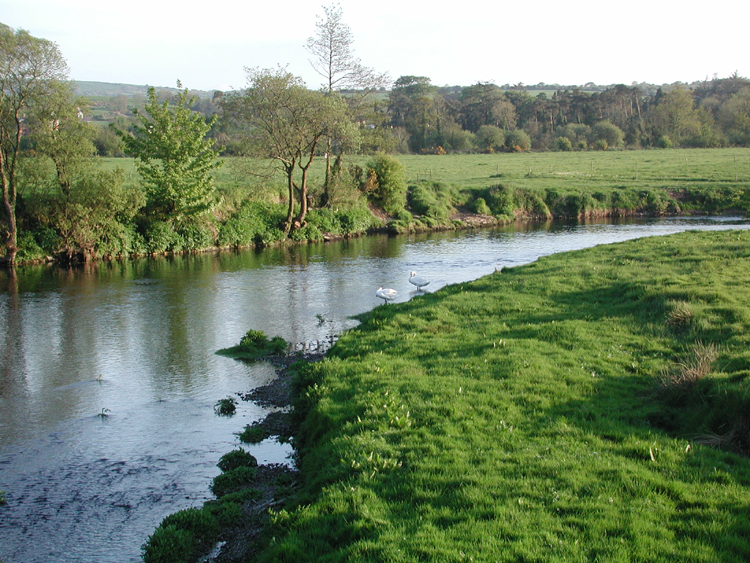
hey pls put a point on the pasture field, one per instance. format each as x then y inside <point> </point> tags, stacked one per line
<point>590,170</point>
<point>669,168</point>
<point>590,406</point>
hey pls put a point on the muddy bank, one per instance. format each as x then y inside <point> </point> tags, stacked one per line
<point>276,483</point>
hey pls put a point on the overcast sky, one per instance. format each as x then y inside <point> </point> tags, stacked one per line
<point>207,44</point>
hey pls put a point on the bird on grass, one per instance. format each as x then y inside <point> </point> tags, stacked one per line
<point>386,294</point>
<point>419,281</point>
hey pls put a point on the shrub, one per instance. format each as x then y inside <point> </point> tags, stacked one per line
<point>233,480</point>
<point>236,458</point>
<point>182,537</point>
<point>664,142</point>
<point>389,190</point>
<point>490,138</point>
<point>600,145</point>
<point>431,200</point>
<point>253,434</point>
<point>480,206</point>
<point>226,407</point>
<point>517,140</point>
<point>564,144</point>
<point>608,132</point>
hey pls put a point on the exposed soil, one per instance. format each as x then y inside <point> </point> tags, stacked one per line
<point>275,482</point>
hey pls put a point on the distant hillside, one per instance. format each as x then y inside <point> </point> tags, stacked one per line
<point>107,89</point>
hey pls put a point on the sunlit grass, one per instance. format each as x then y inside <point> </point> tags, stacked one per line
<point>522,417</point>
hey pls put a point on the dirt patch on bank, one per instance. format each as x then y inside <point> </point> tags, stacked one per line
<point>275,483</point>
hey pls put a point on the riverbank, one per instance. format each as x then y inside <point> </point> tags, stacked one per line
<point>565,410</point>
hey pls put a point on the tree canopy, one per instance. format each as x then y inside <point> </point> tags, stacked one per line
<point>30,70</point>
<point>174,156</point>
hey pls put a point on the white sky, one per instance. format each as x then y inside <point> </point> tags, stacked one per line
<point>206,44</point>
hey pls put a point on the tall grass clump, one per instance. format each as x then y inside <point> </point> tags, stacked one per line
<point>521,417</point>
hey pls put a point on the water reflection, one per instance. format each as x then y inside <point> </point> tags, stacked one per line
<point>138,338</point>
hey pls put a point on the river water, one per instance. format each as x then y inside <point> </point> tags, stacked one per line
<point>108,374</point>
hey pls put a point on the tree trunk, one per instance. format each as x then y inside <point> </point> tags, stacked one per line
<point>11,234</point>
<point>290,186</point>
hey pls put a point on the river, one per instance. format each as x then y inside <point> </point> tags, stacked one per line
<point>108,373</point>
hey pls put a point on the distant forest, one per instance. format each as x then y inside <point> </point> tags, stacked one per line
<point>414,116</point>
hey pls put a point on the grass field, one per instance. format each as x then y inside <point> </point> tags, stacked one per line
<point>669,168</point>
<point>559,411</point>
<point>647,168</point>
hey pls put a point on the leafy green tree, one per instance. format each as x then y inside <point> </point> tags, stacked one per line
<point>490,138</point>
<point>517,140</point>
<point>734,115</point>
<point>174,158</point>
<point>284,121</point>
<point>60,133</point>
<point>30,69</point>
<point>486,104</point>
<point>675,116</point>
<point>608,132</point>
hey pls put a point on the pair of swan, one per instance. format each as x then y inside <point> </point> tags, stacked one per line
<point>388,294</point>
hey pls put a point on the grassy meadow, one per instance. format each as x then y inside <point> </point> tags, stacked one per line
<point>664,168</point>
<point>590,406</point>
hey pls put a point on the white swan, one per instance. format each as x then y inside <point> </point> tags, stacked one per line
<point>419,281</point>
<point>386,294</point>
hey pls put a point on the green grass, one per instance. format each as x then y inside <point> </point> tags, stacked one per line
<point>524,417</point>
<point>666,168</point>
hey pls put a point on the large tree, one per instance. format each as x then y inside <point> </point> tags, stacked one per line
<point>30,70</point>
<point>333,59</point>
<point>333,56</point>
<point>286,122</point>
<point>173,156</point>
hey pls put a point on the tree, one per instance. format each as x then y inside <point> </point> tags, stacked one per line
<point>333,59</point>
<point>675,116</point>
<point>30,68</point>
<point>60,132</point>
<point>490,138</point>
<point>333,56</point>
<point>486,104</point>
<point>174,157</point>
<point>286,122</point>
<point>607,132</point>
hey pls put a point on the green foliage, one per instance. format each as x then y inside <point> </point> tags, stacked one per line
<point>434,200</point>
<point>253,434</point>
<point>175,159</point>
<point>226,406</point>
<point>182,537</point>
<point>254,345</point>
<point>517,140</point>
<point>94,216</point>
<point>605,134</point>
<point>564,144</point>
<point>389,190</point>
<point>490,138</point>
<point>480,206</point>
<point>236,458</point>
<point>233,480</point>
<point>525,408</point>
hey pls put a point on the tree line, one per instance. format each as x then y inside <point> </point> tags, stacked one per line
<point>56,200</point>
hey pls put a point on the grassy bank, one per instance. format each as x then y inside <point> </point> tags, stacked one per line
<point>591,406</point>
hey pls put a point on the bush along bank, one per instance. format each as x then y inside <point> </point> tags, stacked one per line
<point>591,405</point>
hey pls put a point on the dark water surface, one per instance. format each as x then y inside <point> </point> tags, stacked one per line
<point>136,340</point>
